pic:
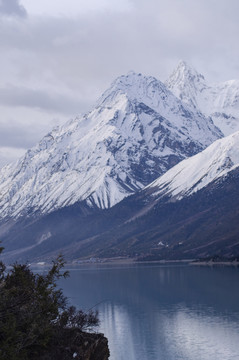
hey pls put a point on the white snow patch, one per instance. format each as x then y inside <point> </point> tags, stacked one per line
<point>193,174</point>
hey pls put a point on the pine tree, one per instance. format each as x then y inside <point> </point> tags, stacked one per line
<point>35,319</point>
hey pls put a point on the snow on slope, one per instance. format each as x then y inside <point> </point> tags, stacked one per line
<point>220,101</point>
<point>194,173</point>
<point>137,131</point>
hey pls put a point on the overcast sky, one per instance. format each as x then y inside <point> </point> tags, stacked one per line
<point>58,56</point>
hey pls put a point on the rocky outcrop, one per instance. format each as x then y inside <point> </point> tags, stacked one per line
<point>76,345</point>
<point>93,347</point>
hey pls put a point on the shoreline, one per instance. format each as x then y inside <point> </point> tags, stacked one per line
<point>134,261</point>
<point>213,263</point>
<point>112,261</point>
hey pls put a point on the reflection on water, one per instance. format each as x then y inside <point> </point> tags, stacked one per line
<point>200,336</point>
<point>180,335</point>
<point>162,312</point>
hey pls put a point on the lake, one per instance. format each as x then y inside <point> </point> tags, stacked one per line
<point>161,311</point>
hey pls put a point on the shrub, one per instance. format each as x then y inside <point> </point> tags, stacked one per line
<point>35,319</point>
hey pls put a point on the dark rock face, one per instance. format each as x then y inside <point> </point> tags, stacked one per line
<point>78,345</point>
<point>92,347</point>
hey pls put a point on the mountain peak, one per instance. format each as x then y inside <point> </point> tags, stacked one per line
<point>137,88</point>
<point>185,74</point>
<point>132,81</point>
<point>185,82</point>
<point>137,132</point>
<point>184,66</point>
<point>220,101</point>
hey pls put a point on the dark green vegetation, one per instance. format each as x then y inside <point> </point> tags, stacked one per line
<point>141,226</point>
<point>37,323</point>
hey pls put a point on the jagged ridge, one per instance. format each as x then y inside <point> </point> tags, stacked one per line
<point>200,170</point>
<point>219,100</point>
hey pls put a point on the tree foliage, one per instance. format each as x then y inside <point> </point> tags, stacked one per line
<point>35,319</point>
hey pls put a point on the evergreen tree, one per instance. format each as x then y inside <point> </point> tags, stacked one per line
<point>35,319</point>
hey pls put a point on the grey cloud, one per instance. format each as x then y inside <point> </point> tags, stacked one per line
<point>12,8</point>
<point>9,154</point>
<point>91,50</point>
<point>17,136</point>
<point>22,128</point>
<point>151,39</point>
<point>72,61</point>
<point>20,96</point>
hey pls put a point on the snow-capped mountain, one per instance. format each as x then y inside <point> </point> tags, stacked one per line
<point>220,100</point>
<point>191,211</point>
<point>200,170</point>
<point>137,131</point>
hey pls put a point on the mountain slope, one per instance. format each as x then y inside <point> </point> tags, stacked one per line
<point>220,100</point>
<point>191,211</point>
<point>201,225</point>
<point>197,172</point>
<point>137,131</point>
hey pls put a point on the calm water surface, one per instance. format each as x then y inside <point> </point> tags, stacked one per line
<point>162,312</point>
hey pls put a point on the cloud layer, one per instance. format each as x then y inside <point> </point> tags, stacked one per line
<point>12,8</point>
<point>54,66</point>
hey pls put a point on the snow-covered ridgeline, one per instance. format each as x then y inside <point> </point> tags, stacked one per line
<point>219,100</point>
<point>154,94</point>
<point>137,131</point>
<point>198,171</point>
